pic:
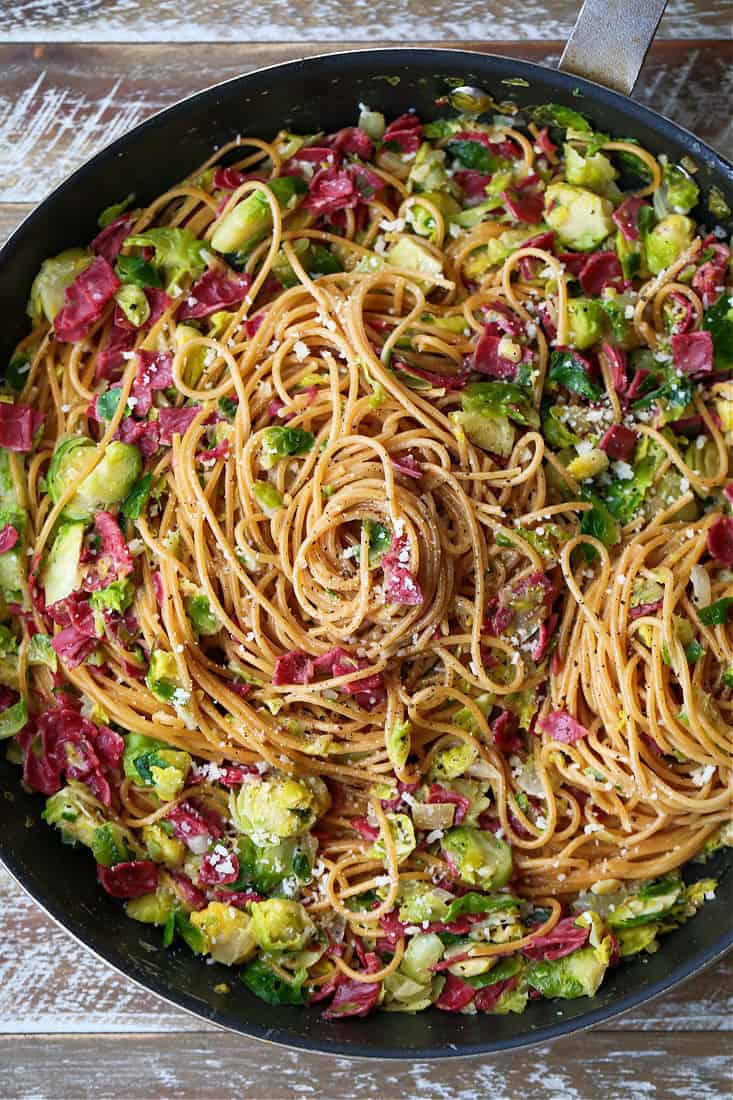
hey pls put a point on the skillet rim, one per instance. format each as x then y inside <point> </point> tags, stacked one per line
<point>698,960</point>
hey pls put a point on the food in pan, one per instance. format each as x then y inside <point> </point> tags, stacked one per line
<point>367,558</point>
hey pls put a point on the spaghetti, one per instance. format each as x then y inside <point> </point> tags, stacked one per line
<point>367,559</point>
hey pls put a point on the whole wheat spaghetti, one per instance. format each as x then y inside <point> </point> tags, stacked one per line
<point>367,558</point>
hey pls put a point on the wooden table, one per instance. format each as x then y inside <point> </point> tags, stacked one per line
<point>75,74</point>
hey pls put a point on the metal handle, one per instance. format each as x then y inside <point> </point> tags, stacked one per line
<point>610,40</point>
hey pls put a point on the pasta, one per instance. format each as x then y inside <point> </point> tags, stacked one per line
<point>367,558</point>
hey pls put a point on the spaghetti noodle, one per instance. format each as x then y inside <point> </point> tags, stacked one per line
<point>367,559</point>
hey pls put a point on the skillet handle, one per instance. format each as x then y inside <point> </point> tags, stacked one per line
<point>609,41</point>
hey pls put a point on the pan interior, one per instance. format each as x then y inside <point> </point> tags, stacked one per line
<point>320,93</point>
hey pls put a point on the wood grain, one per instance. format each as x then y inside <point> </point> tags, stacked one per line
<point>332,20</point>
<point>11,215</point>
<point>148,1067</point>
<point>61,103</point>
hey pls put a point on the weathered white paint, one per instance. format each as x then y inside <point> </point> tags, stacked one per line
<point>68,128</point>
<point>333,20</point>
<point>220,1066</point>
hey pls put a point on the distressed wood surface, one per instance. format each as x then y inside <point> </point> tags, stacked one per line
<point>61,103</point>
<point>671,1067</point>
<point>75,74</point>
<point>335,20</point>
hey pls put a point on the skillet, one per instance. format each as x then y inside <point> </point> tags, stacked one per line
<point>323,93</point>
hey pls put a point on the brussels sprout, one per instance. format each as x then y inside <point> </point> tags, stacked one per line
<point>280,443</point>
<point>251,219</point>
<point>14,562</point>
<point>109,845</point>
<point>16,373</point>
<point>61,571</point>
<point>151,763</point>
<point>696,894</point>
<point>631,256</point>
<point>631,941</point>
<point>398,744</point>
<point>454,761</point>
<point>652,902</point>
<point>499,248</point>
<point>420,218</point>
<point>281,267</point>
<point>480,857</point>
<point>279,806</point>
<point>501,398</point>
<point>585,320</point>
<point>412,255</point>
<point>403,835</point>
<point>194,360</point>
<point>588,465</point>
<point>113,211</point>
<point>722,837</point>
<point>115,597</point>
<point>580,218</point>
<point>428,173</point>
<point>162,676</point>
<point>723,394</point>
<point>270,986</point>
<point>667,240</point>
<point>265,867</point>
<point>267,497</point>
<point>41,652</point>
<point>72,814</point>
<point>162,847</point>
<point>108,483</point>
<point>68,460</point>
<point>9,673</point>
<point>478,795</point>
<point>316,259</point>
<point>280,924</point>
<point>177,252</point>
<point>493,433</point>
<point>13,718</point>
<point>403,994</point>
<point>423,951</point>
<point>179,924</point>
<point>55,275</point>
<point>419,901</point>
<point>202,618</point>
<point>135,271</point>
<point>229,932</point>
<point>373,123</point>
<point>576,975</point>
<point>134,304</point>
<point>594,172</point>
<point>150,908</point>
<point>134,503</point>
<point>680,192</point>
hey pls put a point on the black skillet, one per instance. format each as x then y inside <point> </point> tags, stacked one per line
<point>323,93</point>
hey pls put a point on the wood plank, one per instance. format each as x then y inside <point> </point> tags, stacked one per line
<point>61,103</point>
<point>51,985</point>
<point>222,1066</point>
<point>333,20</point>
<point>11,215</point>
